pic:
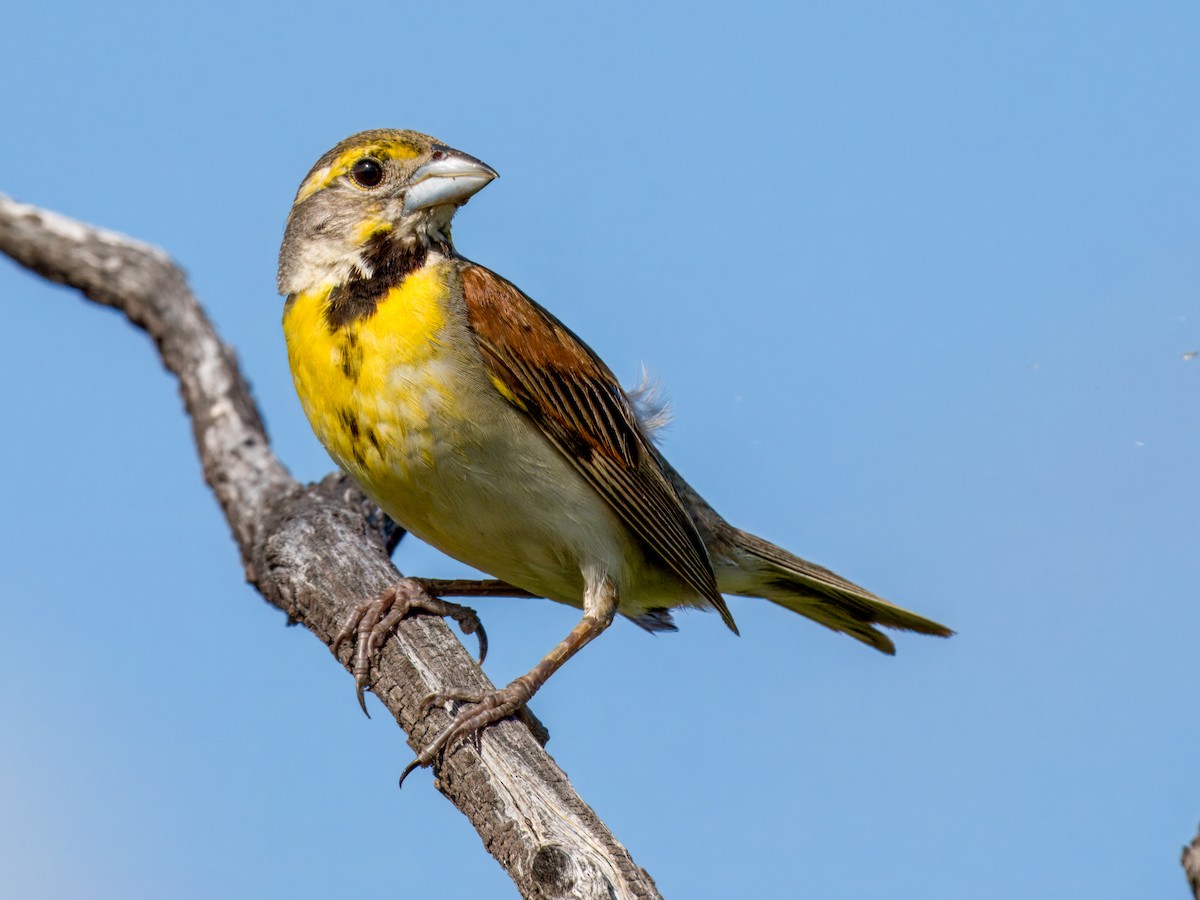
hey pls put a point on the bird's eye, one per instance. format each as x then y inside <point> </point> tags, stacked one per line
<point>367,172</point>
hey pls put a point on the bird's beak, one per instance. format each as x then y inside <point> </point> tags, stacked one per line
<point>451,178</point>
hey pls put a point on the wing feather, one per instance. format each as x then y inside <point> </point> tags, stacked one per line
<point>564,388</point>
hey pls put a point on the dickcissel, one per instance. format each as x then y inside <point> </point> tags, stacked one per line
<point>484,426</point>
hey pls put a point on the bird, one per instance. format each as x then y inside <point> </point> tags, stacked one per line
<point>483,425</point>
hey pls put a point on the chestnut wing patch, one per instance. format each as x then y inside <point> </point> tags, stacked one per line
<point>547,372</point>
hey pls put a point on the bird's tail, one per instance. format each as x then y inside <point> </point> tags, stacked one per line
<point>749,566</point>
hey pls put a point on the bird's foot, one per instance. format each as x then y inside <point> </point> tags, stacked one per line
<point>373,620</point>
<point>485,708</point>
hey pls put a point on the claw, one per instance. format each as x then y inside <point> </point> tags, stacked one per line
<point>415,764</point>
<point>363,625</point>
<point>372,621</point>
<point>432,750</point>
<point>359,689</point>
<point>486,708</point>
<point>481,636</point>
<point>467,618</point>
<point>492,706</point>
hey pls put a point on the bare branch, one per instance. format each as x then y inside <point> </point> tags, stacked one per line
<point>315,551</point>
<point>1191,865</point>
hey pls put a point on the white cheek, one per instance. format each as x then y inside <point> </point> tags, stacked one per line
<point>324,262</point>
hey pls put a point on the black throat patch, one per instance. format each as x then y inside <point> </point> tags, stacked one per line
<point>391,264</point>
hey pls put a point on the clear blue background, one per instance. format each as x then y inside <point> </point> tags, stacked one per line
<point>920,279</point>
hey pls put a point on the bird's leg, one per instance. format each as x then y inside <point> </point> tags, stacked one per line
<point>373,620</point>
<point>600,606</point>
<point>469,587</point>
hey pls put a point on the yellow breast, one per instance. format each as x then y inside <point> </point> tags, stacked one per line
<point>371,386</point>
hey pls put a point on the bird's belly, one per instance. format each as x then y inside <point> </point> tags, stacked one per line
<point>500,498</point>
<point>492,492</point>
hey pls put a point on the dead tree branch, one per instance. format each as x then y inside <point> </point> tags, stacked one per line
<point>315,551</point>
<point>1191,865</point>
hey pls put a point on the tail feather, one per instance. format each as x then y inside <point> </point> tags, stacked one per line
<point>757,568</point>
<point>751,567</point>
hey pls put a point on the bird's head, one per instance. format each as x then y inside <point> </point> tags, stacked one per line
<point>375,194</point>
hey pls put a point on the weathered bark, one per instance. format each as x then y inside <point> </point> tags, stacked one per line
<point>315,551</point>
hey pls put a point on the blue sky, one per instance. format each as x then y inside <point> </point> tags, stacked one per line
<point>920,280</point>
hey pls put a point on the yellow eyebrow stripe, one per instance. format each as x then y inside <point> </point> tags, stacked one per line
<point>327,175</point>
